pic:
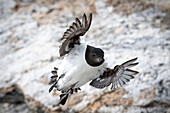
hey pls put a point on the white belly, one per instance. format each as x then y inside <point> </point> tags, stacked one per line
<point>77,71</point>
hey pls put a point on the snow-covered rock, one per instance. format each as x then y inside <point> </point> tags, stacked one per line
<point>29,41</point>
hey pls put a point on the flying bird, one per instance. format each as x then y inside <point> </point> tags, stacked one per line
<point>83,63</point>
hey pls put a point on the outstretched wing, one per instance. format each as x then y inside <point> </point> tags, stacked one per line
<point>117,76</point>
<point>71,36</point>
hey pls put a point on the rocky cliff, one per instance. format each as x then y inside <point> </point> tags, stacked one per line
<point>30,32</point>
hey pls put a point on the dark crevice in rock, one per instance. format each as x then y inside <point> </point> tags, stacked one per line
<point>12,100</point>
<point>156,103</point>
<point>12,95</point>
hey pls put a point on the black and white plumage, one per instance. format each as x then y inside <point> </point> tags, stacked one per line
<point>83,63</point>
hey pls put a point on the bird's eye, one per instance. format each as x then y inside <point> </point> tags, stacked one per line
<point>94,54</point>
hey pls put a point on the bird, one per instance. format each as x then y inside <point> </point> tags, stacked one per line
<point>84,63</point>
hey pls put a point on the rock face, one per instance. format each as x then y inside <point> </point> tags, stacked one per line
<point>30,33</point>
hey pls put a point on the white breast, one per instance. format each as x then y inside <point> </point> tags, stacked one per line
<point>77,71</point>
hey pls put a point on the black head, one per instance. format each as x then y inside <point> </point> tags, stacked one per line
<point>94,56</point>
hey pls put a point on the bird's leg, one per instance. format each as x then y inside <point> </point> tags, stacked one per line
<point>64,96</point>
<point>79,88</point>
<point>70,91</point>
<point>76,89</point>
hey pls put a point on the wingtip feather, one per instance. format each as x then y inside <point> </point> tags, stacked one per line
<point>130,63</point>
<point>89,21</point>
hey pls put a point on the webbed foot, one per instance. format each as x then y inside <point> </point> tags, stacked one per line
<point>63,98</point>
